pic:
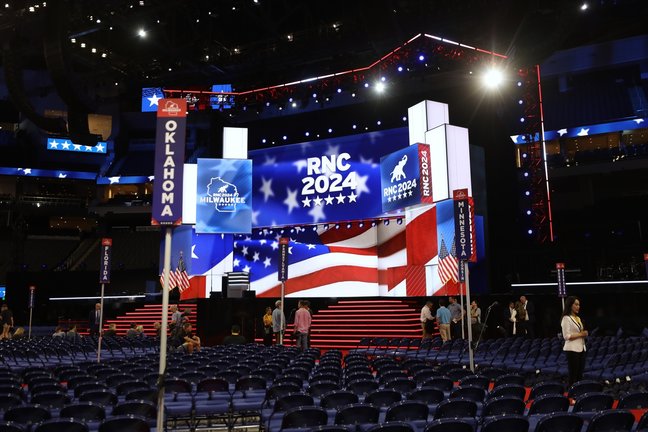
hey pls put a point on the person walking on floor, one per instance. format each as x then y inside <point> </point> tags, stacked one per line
<point>443,317</point>
<point>427,320</point>
<point>278,323</point>
<point>267,327</point>
<point>303,322</point>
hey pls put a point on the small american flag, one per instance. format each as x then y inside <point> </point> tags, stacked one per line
<point>448,264</point>
<point>178,278</point>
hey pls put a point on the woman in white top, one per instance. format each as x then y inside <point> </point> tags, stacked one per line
<point>574,334</point>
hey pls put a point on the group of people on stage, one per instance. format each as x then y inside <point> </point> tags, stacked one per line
<point>448,317</point>
<point>520,317</point>
<point>274,324</point>
<point>7,320</point>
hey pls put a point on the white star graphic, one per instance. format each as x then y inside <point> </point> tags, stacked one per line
<point>150,178</point>
<point>267,262</point>
<point>244,250</point>
<point>274,245</point>
<point>255,257</point>
<point>255,217</point>
<point>583,132</point>
<point>99,148</point>
<point>114,179</point>
<point>61,175</point>
<point>366,161</point>
<point>263,241</point>
<point>329,200</point>
<point>562,132</point>
<point>638,121</point>
<point>340,198</point>
<point>65,145</point>
<point>306,201</point>
<point>27,170</point>
<point>270,160</point>
<point>246,269</point>
<point>332,150</point>
<point>236,262</point>
<point>410,193</point>
<point>88,148</point>
<point>54,144</point>
<point>362,184</point>
<point>76,146</point>
<point>310,246</point>
<point>248,238</point>
<point>266,189</point>
<point>514,138</point>
<point>153,100</point>
<point>291,200</point>
<point>300,164</point>
<point>193,252</point>
<point>352,197</point>
<point>317,201</point>
<point>317,213</point>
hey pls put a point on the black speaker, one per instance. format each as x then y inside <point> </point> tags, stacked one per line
<point>216,295</point>
<point>249,294</point>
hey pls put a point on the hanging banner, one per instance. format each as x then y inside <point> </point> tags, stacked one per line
<point>104,266</point>
<point>283,258</point>
<point>224,196</point>
<point>406,178</point>
<point>169,162</point>
<point>562,284</point>
<point>464,221</point>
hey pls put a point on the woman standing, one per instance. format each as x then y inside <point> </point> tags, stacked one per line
<point>574,334</point>
<point>267,327</point>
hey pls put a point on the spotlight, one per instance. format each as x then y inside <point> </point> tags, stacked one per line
<point>263,140</point>
<point>339,90</point>
<point>330,130</point>
<point>141,33</point>
<point>366,85</point>
<point>314,95</point>
<point>294,105</point>
<point>421,57</point>
<point>307,134</point>
<point>380,87</point>
<point>528,212</point>
<point>527,193</point>
<point>584,7</point>
<point>378,122</point>
<point>383,79</point>
<point>530,232</point>
<point>400,69</point>
<point>520,102</point>
<point>493,78</point>
<point>354,127</point>
<point>519,83</point>
<point>353,94</point>
<point>526,174</point>
<point>521,119</point>
<point>404,118</point>
<point>284,137</point>
<point>524,155</point>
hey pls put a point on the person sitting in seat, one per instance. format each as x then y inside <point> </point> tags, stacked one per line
<point>72,335</point>
<point>132,331</point>
<point>235,337</point>
<point>58,332</point>
<point>112,330</point>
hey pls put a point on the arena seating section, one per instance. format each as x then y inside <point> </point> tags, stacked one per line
<point>51,384</point>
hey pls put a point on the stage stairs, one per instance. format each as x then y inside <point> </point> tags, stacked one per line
<point>147,316</point>
<point>344,324</point>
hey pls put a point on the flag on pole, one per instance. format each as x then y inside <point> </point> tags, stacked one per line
<point>178,278</point>
<point>448,264</point>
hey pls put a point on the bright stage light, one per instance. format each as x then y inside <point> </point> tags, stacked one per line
<point>584,6</point>
<point>493,78</point>
<point>141,33</point>
<point>380,87</point>
<point>530,232</point>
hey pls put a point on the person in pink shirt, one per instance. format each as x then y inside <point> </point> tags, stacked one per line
<point>302,325</point>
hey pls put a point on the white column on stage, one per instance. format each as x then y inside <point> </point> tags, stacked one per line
<point>429,123</point>
<point>235,143</point>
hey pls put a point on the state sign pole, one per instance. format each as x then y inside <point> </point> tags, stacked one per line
<point>167,207</point>
<point>283,275</point>
<point>471,353</point>
<point>32,290</point>
<point>104,277</point>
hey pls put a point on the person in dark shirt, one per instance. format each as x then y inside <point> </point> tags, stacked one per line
<point>132,331</point>
<point>7,321</point>
<point>235,337</point>
<point>112,331</point>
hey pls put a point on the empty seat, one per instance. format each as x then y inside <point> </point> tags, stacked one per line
<point>506,423</point>
<point>595,401</point>
<point>393,426</point>
<point>585,386</point>
<point>450,425</point>
<point>357,414</point>
<point>612,421</point>
<point>503,405</point>
<point>548,404</point>
<point>124,424</point>
<point>62,425</point>
<point>456,408</point>
<point>559,422</point>
<point>303,417</point>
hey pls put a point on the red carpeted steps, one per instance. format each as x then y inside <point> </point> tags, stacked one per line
<point>147,316</point>
<point>343,324</point>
